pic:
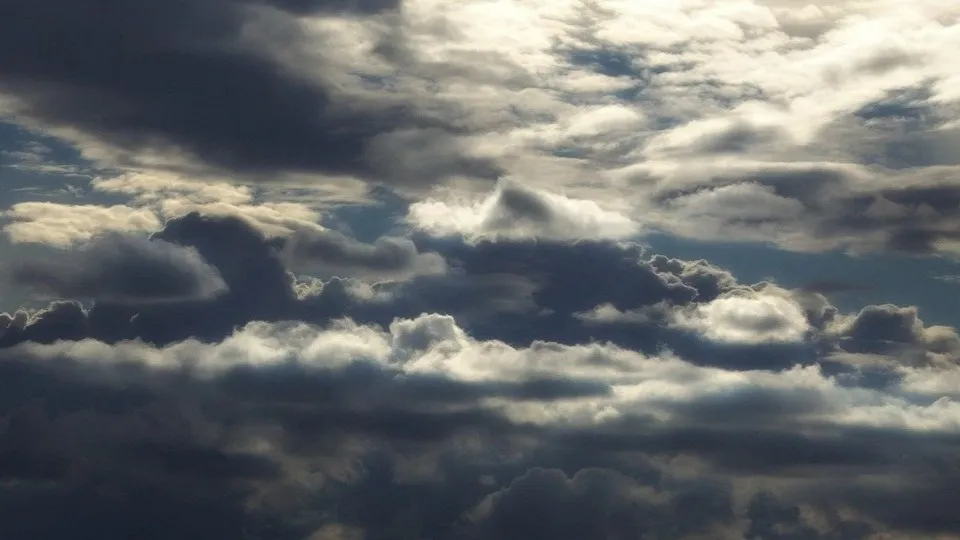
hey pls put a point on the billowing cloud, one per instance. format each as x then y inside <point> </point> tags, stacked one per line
<point>748,319</point>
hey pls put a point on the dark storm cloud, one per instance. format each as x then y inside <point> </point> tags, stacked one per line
<point>913,211</point>
<point>164,437</point>
<point>899,331</point>
<point>808,184</point>
<point>886,323</point>
<point>177,77</point>
<point>908,219</point>
<point>117,268</point>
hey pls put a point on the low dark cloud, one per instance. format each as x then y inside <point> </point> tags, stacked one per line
<point>117,268</point>
<point>901,333</point>
<point>477,403</point>
<point>597,504</point>
<point>222,436</point>
<point>517,292</point>
<point>331,253</point>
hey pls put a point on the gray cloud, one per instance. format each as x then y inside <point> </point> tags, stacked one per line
<point>459,420</point>
<point>331,253</point>
<point>187,77</point>
<point>117,268</point>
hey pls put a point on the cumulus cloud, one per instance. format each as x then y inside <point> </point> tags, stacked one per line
<point>515,211</point>
<point>568,97</point>
<point>748,319</point>
<point>897,331</point>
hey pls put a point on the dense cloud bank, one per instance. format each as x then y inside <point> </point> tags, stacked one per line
<point>530,390</point>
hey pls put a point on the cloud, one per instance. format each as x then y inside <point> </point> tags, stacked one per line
<point>514,211</point>
<point>117,268</point>
<point>568,97</point>
<point>202,82</point>
<point>899,331</point>
<point>486,355</point>
<point>748,319</point>
<point>239,421</point>
<point>545,503</point>
<point>171,196</point>
<point>333,253</point>
<point>523,357</point>
<point>64,224</point>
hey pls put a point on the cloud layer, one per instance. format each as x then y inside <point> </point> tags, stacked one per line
<point>531,388</point>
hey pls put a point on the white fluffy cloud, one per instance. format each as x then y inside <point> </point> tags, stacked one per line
<point>754,318</point>
<point>64,224</point>
<point>515,211</point>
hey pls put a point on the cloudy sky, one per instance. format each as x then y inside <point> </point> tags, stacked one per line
<point>479,270</point>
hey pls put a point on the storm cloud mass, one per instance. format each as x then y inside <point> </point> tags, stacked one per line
<point>418,269</point>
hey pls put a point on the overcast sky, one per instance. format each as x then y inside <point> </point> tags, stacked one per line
<point>479,270</point>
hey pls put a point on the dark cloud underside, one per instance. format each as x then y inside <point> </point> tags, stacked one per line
<point>178,76</point>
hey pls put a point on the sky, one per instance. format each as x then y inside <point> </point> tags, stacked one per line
<point>479,270</point>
